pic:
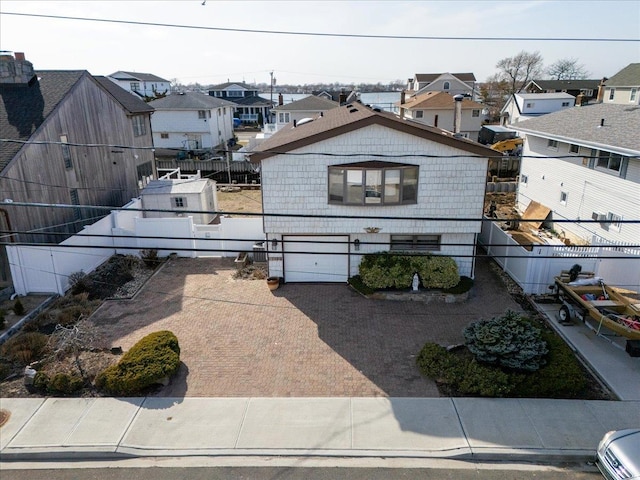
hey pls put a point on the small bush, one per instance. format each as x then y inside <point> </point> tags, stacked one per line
<point>80,282</point>
<point>18,307</point>
<point>25,348</point>
<point>153,358</point>
<point>439,272</point>
<point>63,383</point>
<point>150,257</point>
<point>509,341</point>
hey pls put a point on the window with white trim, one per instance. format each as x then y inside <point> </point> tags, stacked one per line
<point>566,104</point>
<point>475,113</point>
<point>202,114</point>
<point>612,93</point>
<point>234,93</point>
<point>446,86</point>
<point>284,117</point>
<point>164,135</point>
<point>139,127</point>
<point>135,86</point>
<point>179,202</point>
<point>419,113</point>
<point>573,148</point>
<point>524,179</point>
<point>633,94</point>
<point>412,243</point>
<point>373,183</point>
<point>610,161</point>
<point>552,144</point>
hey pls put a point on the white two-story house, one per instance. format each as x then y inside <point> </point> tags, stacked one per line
<point>142,84</point>
<point>191,121</point>
<point>624,87</point>
<point>452,83</point>
<point>358,180</point>
<point>523,106</point>
<point>583,164</point>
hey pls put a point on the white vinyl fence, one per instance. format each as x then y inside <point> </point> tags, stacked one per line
<point>46,269</point>
<point>535,270</point>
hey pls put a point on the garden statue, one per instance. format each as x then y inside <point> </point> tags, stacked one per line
<point>415,283</point>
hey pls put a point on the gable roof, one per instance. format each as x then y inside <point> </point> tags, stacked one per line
<point>582,125</point>
<point>223,86</point>
<point>566,84</point>
<point>629,76</point>
<point>437,100</point>
<point>252,101</point>
<point>131,103</point>
<point>351,117</point>
<point>189,101</point>
<point>173,186</point>
<point>307,103</point>
<point>142,77</point>
<point>24,108</point>
<point>430,77</point>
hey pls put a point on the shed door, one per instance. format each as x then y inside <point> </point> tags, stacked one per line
<point>321,262</point>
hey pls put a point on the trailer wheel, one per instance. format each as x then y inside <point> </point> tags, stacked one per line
<point>564,314</point>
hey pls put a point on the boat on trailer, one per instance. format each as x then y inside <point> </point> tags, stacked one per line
<point>588,296</point>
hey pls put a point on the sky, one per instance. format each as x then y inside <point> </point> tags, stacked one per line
<point>212,56</point>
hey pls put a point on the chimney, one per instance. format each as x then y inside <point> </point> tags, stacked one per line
<point>581,100</point>
<point>457,113</point>
<point>15,71</point>
<point>280,100</point>
<point>402,99</point>
<point>294,123</point>
<point>600,96</point>
<point>602,122</point>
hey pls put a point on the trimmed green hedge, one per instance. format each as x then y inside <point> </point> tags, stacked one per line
<point>388,270</point>
<point>153,358</point>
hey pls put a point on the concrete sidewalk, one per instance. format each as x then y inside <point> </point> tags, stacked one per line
<point>463,428</point>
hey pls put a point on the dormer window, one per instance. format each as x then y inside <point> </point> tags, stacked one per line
<point>446,86</point>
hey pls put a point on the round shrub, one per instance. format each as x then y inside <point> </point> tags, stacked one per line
<point>509,341</point>
<point>439,272</point>
<point>18,307</point>
<point>153,358</point>
<point>65,384</point>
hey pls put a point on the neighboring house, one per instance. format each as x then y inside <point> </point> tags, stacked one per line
<point>342,97</point>
<point>583,163</point>
<point>142,84</point>
<point>62,135</point>
<point>183,197</point>
<point>250,106</point>
<point>357,181</point>
<point>191,121</point>
<point>453,83</point>
<point>308,107</point>
<point>624,87</point>
<point>523,106</point>
<point>437,109</point>
<point>587,88</point>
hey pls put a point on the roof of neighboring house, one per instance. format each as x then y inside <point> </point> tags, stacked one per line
<point>437,100</point>
<point>335,94</point>
<point>621,126</point>
<point>253,100</point>
<point>222,86</point>
<point>189,101</point>
<point>545,96</point>
<point>308,103</point>
<point>351,117</point>
<point>130,102</point>
<point>173,186</point>
<point>143,77</point>
<point>24,108</point>
<point>430,77</point>
<point>566,84</point>
<point>629,76</point>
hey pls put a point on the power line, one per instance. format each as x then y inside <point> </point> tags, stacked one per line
<point>320,34</point>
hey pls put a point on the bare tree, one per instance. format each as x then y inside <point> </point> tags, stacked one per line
<point>518,70</point>
<point>567,69</point>
<point>73,340</point>
<point>493,94</point>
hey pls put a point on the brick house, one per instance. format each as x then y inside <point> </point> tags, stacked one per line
<point>372,182</point>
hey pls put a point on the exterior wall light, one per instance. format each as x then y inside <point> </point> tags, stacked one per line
<point>356,245</point>
<point>274,243</point>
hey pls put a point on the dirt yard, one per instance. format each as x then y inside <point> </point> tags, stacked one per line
<point>249,201</point>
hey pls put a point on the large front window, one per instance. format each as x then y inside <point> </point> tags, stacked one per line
<point>373,183</point>
<point>139,127</point>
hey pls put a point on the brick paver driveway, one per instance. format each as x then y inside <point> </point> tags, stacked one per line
<point>238,338</point>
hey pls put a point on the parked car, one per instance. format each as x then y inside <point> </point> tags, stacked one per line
<point>618,454</point>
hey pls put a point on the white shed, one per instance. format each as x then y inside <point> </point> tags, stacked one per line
<point>195,198</point>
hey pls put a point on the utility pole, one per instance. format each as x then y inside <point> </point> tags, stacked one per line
<point>271,104</point>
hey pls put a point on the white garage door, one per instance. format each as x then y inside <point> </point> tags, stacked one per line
<point>316,267</point>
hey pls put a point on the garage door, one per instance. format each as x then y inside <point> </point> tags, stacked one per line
<point>316,267</point>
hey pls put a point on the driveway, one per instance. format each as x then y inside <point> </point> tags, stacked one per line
<point>238,338</point>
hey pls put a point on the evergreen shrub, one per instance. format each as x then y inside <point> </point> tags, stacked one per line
<point>153,358</point>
